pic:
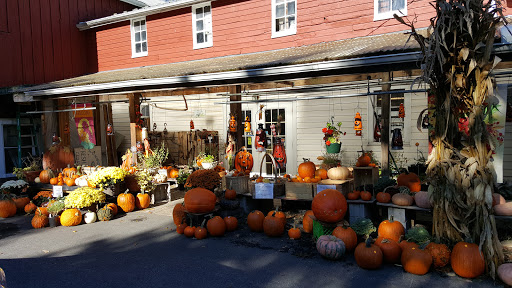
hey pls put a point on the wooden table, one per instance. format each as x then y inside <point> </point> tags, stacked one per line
<point>404,214</point>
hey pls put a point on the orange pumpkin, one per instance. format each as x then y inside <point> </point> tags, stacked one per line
<point>230,194</point>
<point>391,229</point>
<point>329,206</point>
<point>255,221</point>
<point>45,176</point>
<point>307,221</point>
<point>307,169</point>
<point>322,173</point>
<point>70,181</point>
<point>172,172</point>
<point>216,226</point>
<point>178,214</point>
<point>69,172</point>
<point>54,181</point>
<point>364,160</point>
<point>243,160</point>
<point>467,260</point>
<point>348,235</point>
<point>126,202</point>
<point>58,157</point>
<point>113,207</point>
<point>411,180</point>
<point>200,200</point>
<point>142,201</point>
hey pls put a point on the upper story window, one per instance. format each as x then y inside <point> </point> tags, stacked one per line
<point>202,25</point>
<point>284,18</point>
<point>384,9</point>
<point>139,37</point>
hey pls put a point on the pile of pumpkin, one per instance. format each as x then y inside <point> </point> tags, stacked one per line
<point>406,192</point>
<point>69,176</point>
<point>202,201</point>
<point>307,173</point>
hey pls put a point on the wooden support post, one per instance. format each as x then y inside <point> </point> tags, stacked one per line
<point>110,140</point>
<point>97,121</point>
<point>64,122</point>
<point>236,109</point>
<point>384,140</point>
<point>135,133</point>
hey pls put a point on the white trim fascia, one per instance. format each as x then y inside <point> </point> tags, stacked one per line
<point>235,75</point>
<point>142,12</point>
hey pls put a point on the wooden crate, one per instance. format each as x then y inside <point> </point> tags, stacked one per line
<point>239,184</point>
<point>298,191</point>
<point>365,175</point>
<point>279,190</point>
<point>344,187</point>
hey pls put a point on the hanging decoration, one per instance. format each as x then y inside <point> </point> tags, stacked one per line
<point>260,113</point>
<point>358,124</point>
<point>261,139</point>
<point>230,150</point>
<point>232,124</point>
<point>279,154</point>
<point>401,111</point>
<point>110,129</point>
<point>247,125</point>
<point>55,139</point>
<point>139,146</point>
<point>273,129</point>
<point>191,124</point>
<point>84,121</point>
<point>396,141</point>
<point>376,132</point>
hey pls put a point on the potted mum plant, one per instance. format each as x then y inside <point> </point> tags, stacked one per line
<point>332,135</point>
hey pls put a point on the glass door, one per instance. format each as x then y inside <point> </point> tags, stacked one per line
<point>276,121</point>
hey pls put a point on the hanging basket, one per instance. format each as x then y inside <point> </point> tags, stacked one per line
<point>333,148</point>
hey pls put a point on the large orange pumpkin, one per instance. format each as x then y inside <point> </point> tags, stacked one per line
<point>126,202</point>
<point>411,180</point>
<point>391,250</point>
<point>58,157</point>
<point>348,235</point>
<point>200,200</point>
<point>307,169</point>
<point>329,206</point>
<point>307,221</point>
<point>243,160</point>
<point>391,229</point>
<point>216,226</point>
<point>142,201</point>
<point>255,221</point>
<point>7,208</point>
<point>467,260</point>
<point>273,226</point>
<point>416,261</point>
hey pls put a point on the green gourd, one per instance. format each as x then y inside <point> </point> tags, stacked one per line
<point>363,227</point>
<point>418,235</point>
<point>105,214</point>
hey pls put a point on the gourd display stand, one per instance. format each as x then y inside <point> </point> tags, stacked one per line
<point>358,209</point>
<point>197,218</point>
<point>365,175</point>
<point>278,188</point>
<point>344,186</point>
<point>404,214</point>
<point>238,183</point>
<point>298,191</point>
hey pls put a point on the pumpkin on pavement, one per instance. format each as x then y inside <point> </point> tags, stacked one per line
<point>142,201</point>
<point>347,235</point>
<point>294,233</point>
<point>391,250</point>
<point>368,255</point>
<point>113,207</point>
<point>231,223</point>
<point>255,221</point>
<point>71,217</point>
<point>200,200</point>
<point>467,260</point>
<point>201,232</point>
<point>105,214</point>
<point>307,221</point>
<point>126,202</point>
<point>7,206</point>
<point>329,206</point>
<point>440,254</point>
<point>416,261</point>
<point>216,226</point>
<point>30,208</point>
<point>40,220</point>
<point>330,247</point>
<point>273,226</point>
<point>178,213</point>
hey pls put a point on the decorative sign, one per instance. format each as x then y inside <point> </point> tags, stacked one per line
<point>88,157</point>
<point>263,191</point>
<point>84,120</point>
<point>57,191</point>
<point>321,187</point>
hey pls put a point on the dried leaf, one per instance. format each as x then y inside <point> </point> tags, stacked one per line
<point>464,53</point>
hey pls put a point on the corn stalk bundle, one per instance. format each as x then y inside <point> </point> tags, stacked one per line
<point>458,66</point>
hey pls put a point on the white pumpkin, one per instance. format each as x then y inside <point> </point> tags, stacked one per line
<point>37,180</point>
<point>82,181</point>
<point>90,217</point>
<point>338,173</point>
<point>505,273</point>
<point>503,209</point>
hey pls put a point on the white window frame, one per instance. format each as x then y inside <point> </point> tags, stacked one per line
<point>132,32</point>
<point>387,15</point>
<point>292,30</point>
<point>207,26</point>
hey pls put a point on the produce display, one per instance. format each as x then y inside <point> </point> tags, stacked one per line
<point>107,177</point>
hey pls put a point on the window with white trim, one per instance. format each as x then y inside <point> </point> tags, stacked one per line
<point>384,9</point>
<point>139,37</point>
<point>202,25</point>
<point>284,18</point>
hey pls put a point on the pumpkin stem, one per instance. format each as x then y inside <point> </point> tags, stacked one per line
<point>369,241</point>
<point>202,224</point>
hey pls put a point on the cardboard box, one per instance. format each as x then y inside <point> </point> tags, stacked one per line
<point>88,157</point>
<point>299,191</point>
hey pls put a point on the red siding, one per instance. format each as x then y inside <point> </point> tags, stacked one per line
<point>40,41</point>
<point>241,27</point>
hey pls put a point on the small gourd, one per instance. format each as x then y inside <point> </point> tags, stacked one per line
<point>330,247</point>
<point>90,217</point>
<point>105,214</point>
<point>37,180</point>
<point>338,173</point>
<point>60,180</point>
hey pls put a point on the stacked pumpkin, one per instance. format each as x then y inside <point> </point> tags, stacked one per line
<point>307,173</point>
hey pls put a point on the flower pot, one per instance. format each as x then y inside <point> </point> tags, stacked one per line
<point>181,186</point>
<point>31,175</point>
<point>333,148</point>
<point>52,221</point>
<point>207,165</point>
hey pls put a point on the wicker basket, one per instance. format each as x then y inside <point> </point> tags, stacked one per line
<point>279,188</point>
